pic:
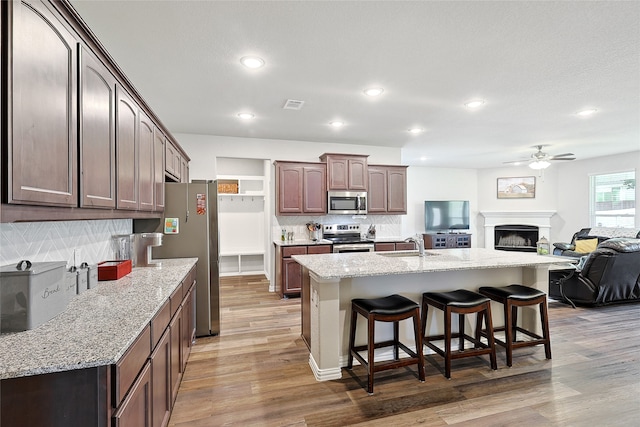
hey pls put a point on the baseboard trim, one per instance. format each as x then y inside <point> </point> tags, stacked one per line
<point>324,374</point>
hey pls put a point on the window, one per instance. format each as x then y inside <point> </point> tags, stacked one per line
<point>613,199</point>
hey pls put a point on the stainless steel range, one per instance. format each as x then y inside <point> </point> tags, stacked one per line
<point>346,238</point>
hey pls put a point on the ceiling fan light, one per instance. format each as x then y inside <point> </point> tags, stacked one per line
<point>539,164</point>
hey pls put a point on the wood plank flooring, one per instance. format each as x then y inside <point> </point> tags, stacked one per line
<point>256,373</point>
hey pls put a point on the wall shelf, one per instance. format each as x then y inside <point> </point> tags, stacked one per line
<point>242,263</point>
<point>242,226</point>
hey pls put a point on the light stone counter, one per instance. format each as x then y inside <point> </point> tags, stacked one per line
<point>97,327</point>
<point>366,264</point>
<point>331,281</point>
<point>302,242</point>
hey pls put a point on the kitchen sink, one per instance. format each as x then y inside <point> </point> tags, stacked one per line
<point>402,254</point>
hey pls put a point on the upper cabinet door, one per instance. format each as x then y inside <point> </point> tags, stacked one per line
<point>358,174</point>
<point>397,190</point>
<point>289,184</point>
<point>377,195</point>
<point>158,167</point>
<point>97,134</point>
<point>127,150</point>
<point>346,172</point>
<point>314,189</point>
<point>146,177</point>
<point>338,174</point>
<point>43,116</point>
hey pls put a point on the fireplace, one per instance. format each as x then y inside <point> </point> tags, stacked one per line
<point>516,237</point>
<point>538,218</point>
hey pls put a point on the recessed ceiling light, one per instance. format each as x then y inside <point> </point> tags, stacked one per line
<point>423,158</point>
<point>416,130</point>
<point>252,61</point>
<point>246,116</point>
<point>585,113</point>
<point>336,123</point>
<point>475,103</point>
<point>373,91</point>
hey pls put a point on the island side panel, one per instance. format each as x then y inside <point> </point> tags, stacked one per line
<point>325,327</point>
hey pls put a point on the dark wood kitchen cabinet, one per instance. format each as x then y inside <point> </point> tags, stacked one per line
<point>127,152</point>
<point>72,133</point>
<point>97,133</point>
<point>394,246</point>
<point>159,141</point>
<point>146,161</point>
<point>137,390</point>
<point>161,381</point>
<point>346,172</point>
<point>288,271</point>
<point>300,188</point>
<point>173,161</point>
<point>175,336</point>
<point>42,117</point>
<point>135,411</point>
<point>184,170</point>
<point>387,189</point>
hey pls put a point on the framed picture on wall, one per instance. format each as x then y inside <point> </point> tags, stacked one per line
<point>523,187</point>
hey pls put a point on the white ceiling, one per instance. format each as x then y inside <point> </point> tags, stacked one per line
<point>535,63</point>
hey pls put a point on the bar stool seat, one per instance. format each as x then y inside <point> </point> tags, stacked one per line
<point>512,297</point>
<point>393,308</point>
<point>462,302</point>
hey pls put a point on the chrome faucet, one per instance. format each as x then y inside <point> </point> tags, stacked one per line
<point>418,242</point>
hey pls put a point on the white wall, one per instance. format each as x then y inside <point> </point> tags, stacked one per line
<point>572,190</point>
<point>425,183</point>
<point>204,149</point>
<point>563,187</point>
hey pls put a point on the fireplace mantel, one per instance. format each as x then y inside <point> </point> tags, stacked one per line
<point>540,218</point>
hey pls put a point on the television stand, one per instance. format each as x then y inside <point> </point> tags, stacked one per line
<point>446,240</point>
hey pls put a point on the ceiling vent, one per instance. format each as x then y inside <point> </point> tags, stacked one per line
<point>292,104</point>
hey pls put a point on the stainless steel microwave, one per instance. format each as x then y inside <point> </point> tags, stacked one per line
<point>347,202</point>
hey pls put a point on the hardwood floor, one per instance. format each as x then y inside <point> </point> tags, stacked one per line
<point>256,373</point>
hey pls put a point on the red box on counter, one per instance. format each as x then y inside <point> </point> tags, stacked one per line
<point>113,270</point>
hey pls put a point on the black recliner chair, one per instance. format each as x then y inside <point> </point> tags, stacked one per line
<point>610,274</point>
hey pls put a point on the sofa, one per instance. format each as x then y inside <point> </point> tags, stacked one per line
<point>587,240</point>
<point>608,275</point>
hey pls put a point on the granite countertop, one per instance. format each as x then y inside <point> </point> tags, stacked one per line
<point>97,327</point>
<point>364,264</point>
<point>302,242</point>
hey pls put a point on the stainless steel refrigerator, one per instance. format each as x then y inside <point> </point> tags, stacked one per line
<point>190,227</point>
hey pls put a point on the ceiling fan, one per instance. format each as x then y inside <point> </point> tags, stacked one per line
<point>541,160</point>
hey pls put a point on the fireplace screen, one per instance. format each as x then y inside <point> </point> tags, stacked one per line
<point>516,237</point>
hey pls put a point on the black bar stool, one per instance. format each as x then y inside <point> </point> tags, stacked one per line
<point>462,302</point>
<point>512,297</point>
<point>387,309</point>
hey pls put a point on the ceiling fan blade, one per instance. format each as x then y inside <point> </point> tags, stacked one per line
<point>562,158</point>
<point>563,155</point>
<point>512,162</point>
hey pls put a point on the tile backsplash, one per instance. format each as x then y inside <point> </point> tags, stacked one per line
<point>386,225</point>
<point>89,241</point>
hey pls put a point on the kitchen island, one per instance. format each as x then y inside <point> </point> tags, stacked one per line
<point>330,282</point>
<point>93,363</point>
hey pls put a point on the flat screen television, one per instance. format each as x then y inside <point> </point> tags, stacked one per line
<point>444,215</point>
